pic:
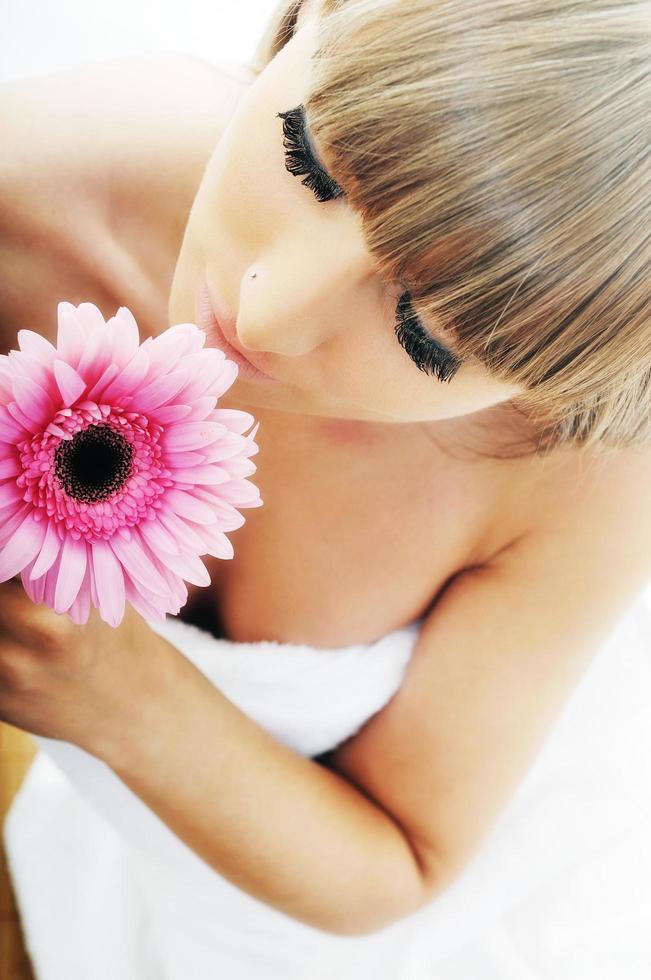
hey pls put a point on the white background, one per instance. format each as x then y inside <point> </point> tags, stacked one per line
<point>40,36</point>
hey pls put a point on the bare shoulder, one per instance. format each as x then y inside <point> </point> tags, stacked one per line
<point>604,494</point>
<point>580,493</point>
<point>99,168</point>
<point>502,649</point>
<point>157,104</point>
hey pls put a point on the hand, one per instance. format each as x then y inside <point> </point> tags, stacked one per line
<point>87,684</point>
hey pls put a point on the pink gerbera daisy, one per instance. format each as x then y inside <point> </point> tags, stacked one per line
<point>117,470</point>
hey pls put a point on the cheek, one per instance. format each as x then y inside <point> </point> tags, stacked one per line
<point>383,383</point>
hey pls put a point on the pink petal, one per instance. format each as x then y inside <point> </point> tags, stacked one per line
<point>191,435</point>
<point>184,458</point>
<point>186,505</point>
<point>172,344</point>
<point>202,408</point>
<point>33,400</point>
<point>172,413</point>
<point>8,524</point>
<point>205,373</point>
<point>29,425</point>
<point>27,584</point>
<point>71,573</point>
<point>229,445</point>
<point>96,355</point>
<point>35,344</point>
<point>9,467</point>
<point>10,433</point>
<point>80,609</point>
<point>235,420</point>
<point>90,317</point>
<point>39,585</point>
<point>49,550</point>
<point>22,547</point>
<point>178,589</point>
<point>30,367</point>
<point>71,335</point>
<point>92,408</point>
<point>125,333</point>
<point>56,430</point>
<point>158,391</point>
<point>189,566</point>
<point>217,543</point>
<point>8,421</point>
<point>146,607</point>
<point>70,384</point>
<point>10,494</point>
<point>157,537</point>
<point>215,383</point>
<point>109,582</point>
<point>109,373</point>
<point>129,378</point>
<point>46,584</point>
<point>251,444</point>
<point>135,558</point>
<point>181,532</point>
<point>240,492</point>
<point>94,598</point>
<point>38,589</point>
<point>160,602</point>
<point>226,378</point>
<point>240,467</point>
<point>6,389</point>
<point>227,517</point>
<point>202,474</point>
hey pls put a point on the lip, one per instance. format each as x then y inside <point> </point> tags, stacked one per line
<point>219,329</point>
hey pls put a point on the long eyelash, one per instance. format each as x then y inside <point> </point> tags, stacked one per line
<point>299,159</point>
<point>428,355</point>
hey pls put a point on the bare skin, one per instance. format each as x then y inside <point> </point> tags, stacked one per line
<point>94,207</point>
<point>370,519</point>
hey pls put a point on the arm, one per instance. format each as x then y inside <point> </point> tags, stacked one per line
<point>497,658</point>
<point>401,806</point>
<point>278,825</point>
<point>100,165</point>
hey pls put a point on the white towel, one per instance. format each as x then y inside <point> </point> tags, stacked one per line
<point>561,887</point>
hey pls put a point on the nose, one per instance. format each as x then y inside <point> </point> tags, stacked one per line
<point>302,290</point>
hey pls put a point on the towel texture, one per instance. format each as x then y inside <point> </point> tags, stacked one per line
<point>560,888</point>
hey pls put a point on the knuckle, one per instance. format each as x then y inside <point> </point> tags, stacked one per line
<point>49,632</point>
<point>16,672</point>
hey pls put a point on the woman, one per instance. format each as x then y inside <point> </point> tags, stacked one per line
<point>426,227</point>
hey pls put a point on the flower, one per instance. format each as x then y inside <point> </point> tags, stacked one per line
<point>117,470</point>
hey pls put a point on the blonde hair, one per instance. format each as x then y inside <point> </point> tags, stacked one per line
<point>499,157</point>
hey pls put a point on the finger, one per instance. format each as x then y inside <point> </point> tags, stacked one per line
<point>13,586</point>
<point>17,611</point>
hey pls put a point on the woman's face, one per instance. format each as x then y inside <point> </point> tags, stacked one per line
<point>317,316</point>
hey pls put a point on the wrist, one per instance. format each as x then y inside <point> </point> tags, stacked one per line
<point>143,701</point>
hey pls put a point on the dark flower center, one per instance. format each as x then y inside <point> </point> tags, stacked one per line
<point>93,464</point>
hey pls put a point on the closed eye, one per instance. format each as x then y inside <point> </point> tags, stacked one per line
<point>300,158</point>
<point>429,355</point>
